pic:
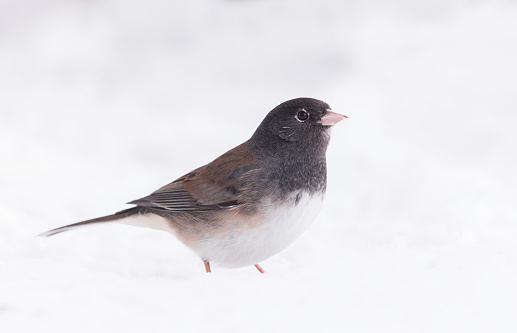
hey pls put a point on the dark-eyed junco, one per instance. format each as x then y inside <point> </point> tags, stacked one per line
<point>251,202</point>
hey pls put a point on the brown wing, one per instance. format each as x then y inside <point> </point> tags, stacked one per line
<point>217,185</point>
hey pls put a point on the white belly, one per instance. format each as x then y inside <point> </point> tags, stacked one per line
<point>246,240</point>
<point>274,231</point>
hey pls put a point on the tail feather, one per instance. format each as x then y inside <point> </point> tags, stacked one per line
<point>110,218</point>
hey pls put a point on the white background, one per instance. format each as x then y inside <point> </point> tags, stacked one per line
<point>102,102</point>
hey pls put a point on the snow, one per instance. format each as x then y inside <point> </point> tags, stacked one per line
<point>103,102</point>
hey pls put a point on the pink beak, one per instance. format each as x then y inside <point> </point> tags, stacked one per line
<point>331,118</point>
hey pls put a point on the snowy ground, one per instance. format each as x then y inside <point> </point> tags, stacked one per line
<point>102,102</point>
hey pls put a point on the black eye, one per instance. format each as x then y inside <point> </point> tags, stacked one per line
<point>302,115</point>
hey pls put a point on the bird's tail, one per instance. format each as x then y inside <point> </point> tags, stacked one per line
<point>110,218</point>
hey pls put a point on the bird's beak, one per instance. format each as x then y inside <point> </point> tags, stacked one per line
<point>331,118</point>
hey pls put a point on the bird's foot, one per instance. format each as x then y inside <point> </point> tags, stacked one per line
<point>259,268</point>
<point>207,267</point>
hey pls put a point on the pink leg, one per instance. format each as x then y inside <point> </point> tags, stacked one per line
<point>259,268</point>
<point>207,267</point>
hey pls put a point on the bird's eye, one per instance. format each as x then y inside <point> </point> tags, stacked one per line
<point>302,115</point>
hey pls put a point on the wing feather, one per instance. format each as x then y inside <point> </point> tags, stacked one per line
<point>217,185</point>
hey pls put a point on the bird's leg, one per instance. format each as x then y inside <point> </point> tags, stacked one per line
<point>259,268</point>
<point>207,266</point>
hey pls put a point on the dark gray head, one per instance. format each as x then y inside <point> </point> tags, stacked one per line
<point>293,139</point>
<point>298,122</point>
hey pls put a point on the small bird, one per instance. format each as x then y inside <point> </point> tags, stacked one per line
<point>251,202</point>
